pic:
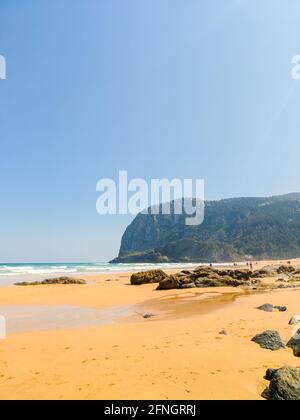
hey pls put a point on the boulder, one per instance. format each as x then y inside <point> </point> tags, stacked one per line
<point>269,340</point>
<point>294,344</point>
<point>294,320</point>
<point>284,384</point>
<point>281,308</point>
<point>170,282</point>
<point>146,277</point>
<point>267,307</point>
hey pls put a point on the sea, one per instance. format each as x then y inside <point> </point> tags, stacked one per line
<point>12,273</point>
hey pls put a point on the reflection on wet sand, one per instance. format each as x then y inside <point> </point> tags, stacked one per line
<point>28,318</point>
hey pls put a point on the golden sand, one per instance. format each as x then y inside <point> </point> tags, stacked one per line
<point>178,354</point>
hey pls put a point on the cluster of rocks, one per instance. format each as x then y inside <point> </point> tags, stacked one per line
<point>271,340</point>
<point>267,307</point>
<point>59,280</point>
<point>284,384</point>
<point>287,275</point>
<point>205,276</point>
<point>200,277</point>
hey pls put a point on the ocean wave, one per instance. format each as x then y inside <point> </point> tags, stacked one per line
<point>81,268</point>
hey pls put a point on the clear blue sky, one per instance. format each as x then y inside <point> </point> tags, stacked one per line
<point>172,88</point>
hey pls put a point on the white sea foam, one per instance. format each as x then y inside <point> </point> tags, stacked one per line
<point>11,273</point>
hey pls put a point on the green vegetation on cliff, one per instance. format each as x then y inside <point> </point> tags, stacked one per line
<point>233,230</point>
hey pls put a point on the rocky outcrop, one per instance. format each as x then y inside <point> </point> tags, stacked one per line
<point>203,277</point>
<point>253,235</point>
<point>59,280</point>
<point>146,277</point>
<point>284,384</point>
<point>269,340</point>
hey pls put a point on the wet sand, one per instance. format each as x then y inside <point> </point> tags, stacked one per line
<point>177,354</point>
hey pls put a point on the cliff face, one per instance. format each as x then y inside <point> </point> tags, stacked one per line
<point>233,230</point>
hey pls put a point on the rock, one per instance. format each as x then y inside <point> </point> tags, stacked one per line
<point>284,384</point>
<point>269,340</point>
<point>240,274</point>
<point>204,276</point>
<point>206,282</point>
<point>184,281</point>
<point>281,308</point>
<point>268,271</point>
<point>148,316</point>
<point>188,286</point>
<point>296,349</point>
<point>223,332</point>
<point>146,277</point>
<point>267,307</point>
<point>294,344</point>
<point>269,374</point>
<point>171,282</point>
<point>294,320</point>
<point>59,280</point>
<point>286,269</point>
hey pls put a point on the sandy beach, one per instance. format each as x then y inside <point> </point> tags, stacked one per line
<point>177,354</point>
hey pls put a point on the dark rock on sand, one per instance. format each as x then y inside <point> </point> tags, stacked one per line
<point>170,282</point>
<point>223,332</point>
<point>148,316</point>
<point>267,307</point>
<point>294,344</point>
<point>284,384</point>
<point>294,320</point>
<point>269,374</point>
<point>281,308</point>
<point>269,340</point>
<point>146,277</point>
<point>59,280</point>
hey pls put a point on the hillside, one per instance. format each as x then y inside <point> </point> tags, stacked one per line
<point>233,230</point>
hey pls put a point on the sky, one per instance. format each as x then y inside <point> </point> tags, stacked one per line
<point>173,88</point>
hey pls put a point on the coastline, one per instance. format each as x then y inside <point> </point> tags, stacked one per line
<point>177,354</point>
